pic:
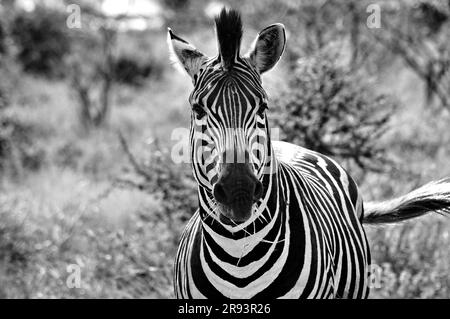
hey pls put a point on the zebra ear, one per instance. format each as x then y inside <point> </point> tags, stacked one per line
<point>184,55</point>
<point>268,47</point>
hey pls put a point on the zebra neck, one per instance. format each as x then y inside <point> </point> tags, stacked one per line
<point>264,225</point>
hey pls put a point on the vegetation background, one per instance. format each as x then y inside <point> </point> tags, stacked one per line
<point>86,117</point>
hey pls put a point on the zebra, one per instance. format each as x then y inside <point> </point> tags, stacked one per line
<point>275,220</point>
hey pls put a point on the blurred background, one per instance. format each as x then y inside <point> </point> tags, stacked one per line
<point>88,102</point>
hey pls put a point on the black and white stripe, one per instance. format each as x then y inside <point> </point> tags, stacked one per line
<point>305,237</point>
<point>305,240</point>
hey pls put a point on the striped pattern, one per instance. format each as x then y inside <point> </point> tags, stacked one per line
<point>230,100</point>
<point>304,238</point>
<point>306,242</point>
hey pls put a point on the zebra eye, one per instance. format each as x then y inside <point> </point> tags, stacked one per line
<point>262,108</point>
<point>199,111</point>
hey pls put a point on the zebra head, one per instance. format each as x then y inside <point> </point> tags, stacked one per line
<point>230,144</point>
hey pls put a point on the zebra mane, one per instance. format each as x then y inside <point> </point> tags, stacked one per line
<point>229,35</point>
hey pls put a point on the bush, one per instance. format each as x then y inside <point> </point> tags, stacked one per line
<point>4,94</point>
<point>160,176</point>
<point>413,259</point>
<point>330,109</point>
<point>41,41</point>
<point>2,39</point>
<point>18,149</point>
<point>9,80</point>
<point>130,258</point>
<point>15,253</point>
<point>129,71</point>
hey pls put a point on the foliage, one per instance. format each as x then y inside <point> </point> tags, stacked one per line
<point>14,253</point>
<point>5,88</point>
<point>18,147</point>
<point>2,39</point>
<point>41,40</point>
<point>115,262</point>
<point>160,176</point>
<point>423,48</point>
<point>18,150</point>
<point>176,4</point>
<point>411,260</point>
<point>91,73</point>
<point>329,109</point>
<point>9,76</point>
<point>129,70</point>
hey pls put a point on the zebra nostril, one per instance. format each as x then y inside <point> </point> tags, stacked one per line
<point>219,193</point>
<point>258,190</point>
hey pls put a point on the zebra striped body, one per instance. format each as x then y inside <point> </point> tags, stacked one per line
<point>278,220</point>
<point>314,246</point>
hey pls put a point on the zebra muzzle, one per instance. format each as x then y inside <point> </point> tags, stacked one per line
<point>237,190</point>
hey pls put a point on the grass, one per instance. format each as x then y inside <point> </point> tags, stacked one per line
<point>118,237</point>
<point>413,255</point>
<point>68,211</point>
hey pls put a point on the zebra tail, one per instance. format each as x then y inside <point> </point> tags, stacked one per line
<point>432,197</point>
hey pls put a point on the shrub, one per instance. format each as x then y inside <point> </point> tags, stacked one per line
<point>41,40</point>
<point>129,71</point>
<point>2,39</point>
<point>18,149</point>
<point>160,176</point>
<point>4,94</point>
<point>14,253</point>
<point>413,259</point>
<point>329,109</point>
<point>90,68</point>
<point>9,79</point>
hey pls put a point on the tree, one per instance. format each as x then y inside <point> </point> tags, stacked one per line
<point>41,40</point>
<point>332,110</point>
<point>418,33</point>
